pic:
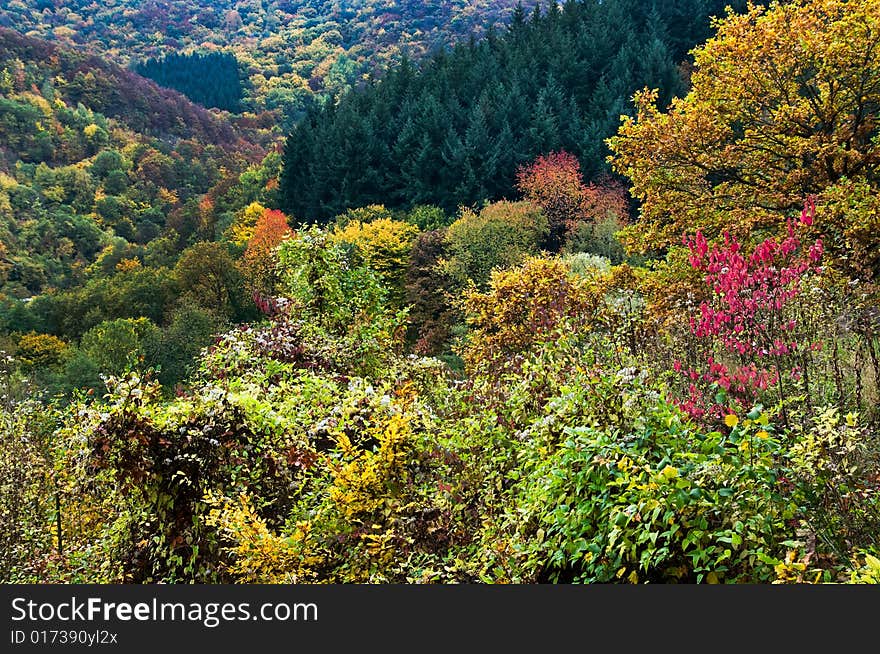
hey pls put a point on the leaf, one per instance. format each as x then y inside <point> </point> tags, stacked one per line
<point>669,472</point>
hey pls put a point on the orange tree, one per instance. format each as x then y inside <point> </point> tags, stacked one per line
<point>259,263</point>
<point>784,105</point>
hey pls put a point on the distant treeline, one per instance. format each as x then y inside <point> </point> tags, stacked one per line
<point>210,79</point>
<point>454,132</point>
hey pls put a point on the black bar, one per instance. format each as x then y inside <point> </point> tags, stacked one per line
<point>458,618</point>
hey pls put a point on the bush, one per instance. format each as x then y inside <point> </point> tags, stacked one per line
<point>501,235</point>
<point>384,246</point>
<point>616,485</point>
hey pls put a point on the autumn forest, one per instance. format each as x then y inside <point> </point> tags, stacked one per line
<point>455,292</point>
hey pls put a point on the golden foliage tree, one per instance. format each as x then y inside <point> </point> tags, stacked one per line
<point>501,235</point>
<point>242,228</point>
<point>524,306</point>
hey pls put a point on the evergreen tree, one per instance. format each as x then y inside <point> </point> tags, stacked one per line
<point>454,132</point>
<point>212,79</point>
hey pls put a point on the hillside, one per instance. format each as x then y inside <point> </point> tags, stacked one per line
<point>453,131</point>
<point>105,179</point>
<point>289,50</point>
<point>114,92</point>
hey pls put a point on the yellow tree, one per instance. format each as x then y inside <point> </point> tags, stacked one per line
<point>784,105</point>
<point>501,235</point>
<point>384,245</point>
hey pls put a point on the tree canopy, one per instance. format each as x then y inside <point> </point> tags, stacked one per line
<point>454,131</point>
<point>784,105</point>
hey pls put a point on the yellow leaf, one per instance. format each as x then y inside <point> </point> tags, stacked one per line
<point>669,472</point>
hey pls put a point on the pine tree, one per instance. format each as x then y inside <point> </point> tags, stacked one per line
<point>453,131</point>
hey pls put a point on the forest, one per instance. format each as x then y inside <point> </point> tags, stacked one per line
<point>290,52</point>
<point>591,297</point>
<point>211,79</point>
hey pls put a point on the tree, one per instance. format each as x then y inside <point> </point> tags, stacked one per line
<point>605,212</point>
<point>242,228</point>
<point>523,306</point>
<point>427,217</point>
<point>207,275</point>
<point>106,162</point>
<point>191,328</point>
<point>554,183</point>
<point>117,345</point>
<point>259,263</point>
<point>784,104</point>
<point>384,245</point>
<point>41,350</point>
<point>431,314</point>
<point>501,235</point>
<point>331,292</point>
<point>366,214</point>
<point>5,264</point>
<point>745,319</point>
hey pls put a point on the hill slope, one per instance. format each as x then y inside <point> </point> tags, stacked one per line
<point>289,49</point>
<point>92,156</point>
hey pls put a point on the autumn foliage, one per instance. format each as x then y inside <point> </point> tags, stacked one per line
<point>490,392</point>
<point>554,183</point>
<point>258,264</point>
<point>784,103</point>
<point>758,340</point>
<point>524,306</point>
